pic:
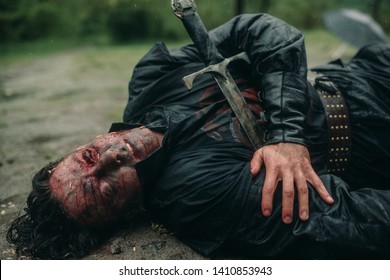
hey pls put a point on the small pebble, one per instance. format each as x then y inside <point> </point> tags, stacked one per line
<point>116,247</point>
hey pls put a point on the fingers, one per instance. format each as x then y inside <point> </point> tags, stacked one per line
<point>290,163</point>
<point>288,198</point>
<point>268,191</point>
<point>316,182</point>
<point>291,183</point>
<point>256,163</point>
<point>303,197</point>
<point>299,182</point>
<point>288,194</point>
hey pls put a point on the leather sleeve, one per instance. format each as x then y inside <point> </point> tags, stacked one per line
<point>278,67</point>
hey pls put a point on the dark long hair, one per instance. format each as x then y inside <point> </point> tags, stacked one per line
<point>44,231</point>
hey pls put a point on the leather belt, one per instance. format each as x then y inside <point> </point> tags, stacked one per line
<point>339,130</point>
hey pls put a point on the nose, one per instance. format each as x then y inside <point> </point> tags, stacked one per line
<point>111,158</point>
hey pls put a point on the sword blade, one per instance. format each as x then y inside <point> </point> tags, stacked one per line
<point>241,109</point>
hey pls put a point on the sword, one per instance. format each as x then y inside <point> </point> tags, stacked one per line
<point>216,64</point>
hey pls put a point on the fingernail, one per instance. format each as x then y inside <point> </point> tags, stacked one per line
<point>287,219</point>
<point>304,215</point>
<point>267,212</point>
<point>330,198</point>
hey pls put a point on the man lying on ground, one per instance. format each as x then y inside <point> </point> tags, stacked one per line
<point>318,188</point>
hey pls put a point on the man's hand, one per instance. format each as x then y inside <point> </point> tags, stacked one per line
<point>289,163</point>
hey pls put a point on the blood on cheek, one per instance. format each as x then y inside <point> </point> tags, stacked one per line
<point>70,187</point>
<point>73,202</point>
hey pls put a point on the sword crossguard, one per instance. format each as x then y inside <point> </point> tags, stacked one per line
<point>218,69</point>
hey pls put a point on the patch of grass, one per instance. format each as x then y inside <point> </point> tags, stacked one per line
<point>4,95</point>
<point>39,139</point>
<point>25,51</point>
<point>8,96</point>
<point>2,152</point>
<point>34,120</point>
<point>110,61</point>
<point>68,95</point>
<point>11,53</point>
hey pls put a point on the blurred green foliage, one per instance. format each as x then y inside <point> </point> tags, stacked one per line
<point>129,20</point>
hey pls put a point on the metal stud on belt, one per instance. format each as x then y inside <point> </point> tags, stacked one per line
<point>339,131</point>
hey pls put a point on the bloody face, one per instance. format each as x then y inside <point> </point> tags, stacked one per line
<point>98,182</point>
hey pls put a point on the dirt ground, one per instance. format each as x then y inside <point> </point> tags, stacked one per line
<point>49,106</point>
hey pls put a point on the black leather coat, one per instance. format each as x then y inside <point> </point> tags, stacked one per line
<point>199,184</point>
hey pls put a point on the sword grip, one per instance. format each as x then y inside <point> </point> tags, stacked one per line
<point>187,12</point>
